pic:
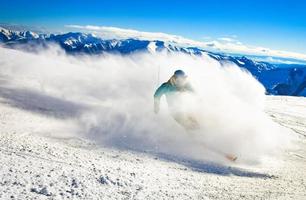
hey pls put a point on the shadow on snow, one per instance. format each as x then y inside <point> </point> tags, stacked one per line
<point>40,103</point>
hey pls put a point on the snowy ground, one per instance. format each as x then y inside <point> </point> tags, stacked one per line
<point>37,165</point>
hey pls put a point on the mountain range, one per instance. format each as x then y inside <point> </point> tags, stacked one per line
<point>278,78</point>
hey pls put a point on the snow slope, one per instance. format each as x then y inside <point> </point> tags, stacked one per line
<point>36,164</point>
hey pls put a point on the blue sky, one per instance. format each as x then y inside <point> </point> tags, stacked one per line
<point>279,25</point>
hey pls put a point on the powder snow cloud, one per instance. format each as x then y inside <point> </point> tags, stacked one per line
<point>109,99</point>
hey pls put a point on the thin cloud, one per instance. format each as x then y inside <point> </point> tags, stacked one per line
<point>120,33</point>
<point>226,39</point>
<point>225,44</point>
<point>206,38</point>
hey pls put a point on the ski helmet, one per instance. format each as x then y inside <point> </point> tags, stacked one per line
<point>179,73</point>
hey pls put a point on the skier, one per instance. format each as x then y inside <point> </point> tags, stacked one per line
<point>173,89</point>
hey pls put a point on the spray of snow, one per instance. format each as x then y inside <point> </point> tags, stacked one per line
<point>109,99</point>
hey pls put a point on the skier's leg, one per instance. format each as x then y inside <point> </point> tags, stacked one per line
<point>187,121</point>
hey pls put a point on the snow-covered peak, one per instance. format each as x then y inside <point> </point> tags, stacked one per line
<point>152,47</point>
<point>5,35</point>
<point>29,35</point>
<point>4,31</point>
<point>9,35</point>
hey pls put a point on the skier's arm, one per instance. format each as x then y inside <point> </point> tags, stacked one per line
<point>157,95</point>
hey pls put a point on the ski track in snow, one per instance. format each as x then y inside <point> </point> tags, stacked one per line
<point>37,165</point>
